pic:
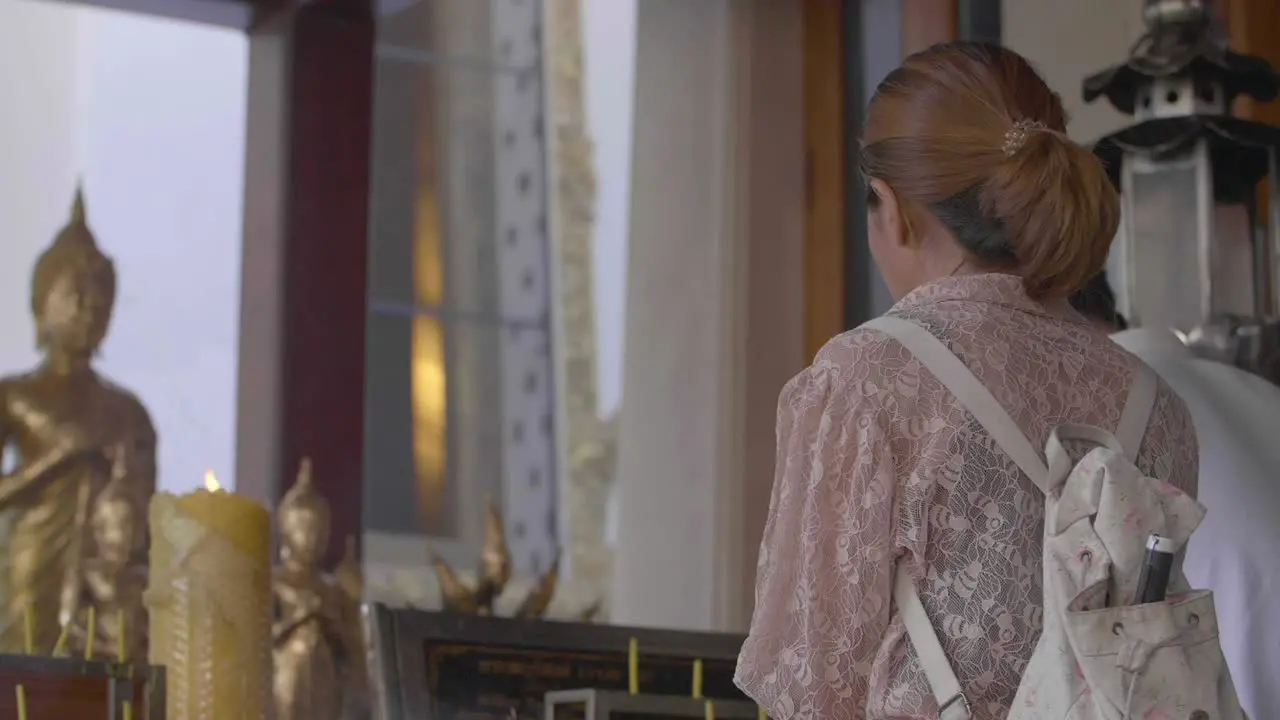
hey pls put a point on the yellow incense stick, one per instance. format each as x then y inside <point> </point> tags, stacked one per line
<point>22,701</point>
<point>28,630</point>
<point>697,679</point>
<point>633,666</point>
<point>93,633</point>
<point>121,652</point>
<point>709,710</point>
<point>61,644</point>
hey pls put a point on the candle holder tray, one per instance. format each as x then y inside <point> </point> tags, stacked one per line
<point>61,688</point>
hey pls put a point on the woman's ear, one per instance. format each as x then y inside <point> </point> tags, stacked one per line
<point>891,222</point>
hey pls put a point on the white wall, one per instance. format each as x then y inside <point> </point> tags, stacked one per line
<point>609,50</point>
<point>37,154</point>
<point>1067,42</point>
<point>150,114</point>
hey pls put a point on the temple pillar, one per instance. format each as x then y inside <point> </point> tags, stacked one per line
<point>714,307</point>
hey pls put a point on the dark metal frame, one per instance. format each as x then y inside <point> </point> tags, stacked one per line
<point>980,20</point>
<point>119,679</point>
<point>397,637</point>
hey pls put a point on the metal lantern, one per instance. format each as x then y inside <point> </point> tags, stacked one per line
<point>1196,253</point>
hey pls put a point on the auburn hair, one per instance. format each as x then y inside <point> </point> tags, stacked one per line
<point>971,133</point>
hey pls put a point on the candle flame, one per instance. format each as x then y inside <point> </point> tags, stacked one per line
<point>211,482</point>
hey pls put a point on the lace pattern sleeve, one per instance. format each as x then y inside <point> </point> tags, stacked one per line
<point>825,572</point>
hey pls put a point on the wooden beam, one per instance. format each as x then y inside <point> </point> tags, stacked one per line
<point>236,14</point>
<point>927,22</point>
<point>824,143</point>
<point>1253,27</point>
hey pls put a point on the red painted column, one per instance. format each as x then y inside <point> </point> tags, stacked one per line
<point>305,275</point>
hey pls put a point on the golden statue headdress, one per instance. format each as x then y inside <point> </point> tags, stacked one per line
<point>73,249</point>
<point>303,498</point>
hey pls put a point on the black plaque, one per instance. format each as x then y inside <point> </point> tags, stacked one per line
<point>456,667</point>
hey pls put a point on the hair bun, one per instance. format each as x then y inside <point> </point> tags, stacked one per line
<point>1019,196</point>
<point>1058,207</point>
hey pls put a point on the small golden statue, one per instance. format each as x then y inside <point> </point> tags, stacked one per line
<point>314,633</point>
<point>62,417</point>
<point>493,576</point>
<point>349,577</point>
<point>112,581</point>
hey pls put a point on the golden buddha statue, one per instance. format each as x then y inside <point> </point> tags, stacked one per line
<point>312,636</point>
<point>61,417</point>
<point>112,581</point>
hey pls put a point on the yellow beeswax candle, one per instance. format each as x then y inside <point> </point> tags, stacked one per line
<point>697,678</point>
<point>761,713</point>
<point>633,666</point>
<point>709,710</point>
<point>210,601</point>
<point>21,692</point>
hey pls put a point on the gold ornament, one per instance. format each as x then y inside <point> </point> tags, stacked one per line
<point>493,576</point>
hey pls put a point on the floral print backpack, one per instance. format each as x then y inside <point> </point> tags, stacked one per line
<point>1099,657</point>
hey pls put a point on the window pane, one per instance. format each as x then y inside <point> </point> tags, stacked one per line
<point>458,214</point>
<point>458,411</point>
<point>476,32</point>
<point>459,401</point>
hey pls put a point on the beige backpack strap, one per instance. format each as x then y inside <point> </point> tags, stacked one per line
<point>952,704</point>
<point>1137,410</point>
<point>972,394</point>
<point>978,400</point>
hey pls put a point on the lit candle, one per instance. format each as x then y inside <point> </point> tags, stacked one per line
<point>697,679</point>
<point>210,601</point>
<point>708,710</point>
<point>633,666</point>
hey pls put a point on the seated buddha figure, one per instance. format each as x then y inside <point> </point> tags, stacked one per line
<point>61,417</point>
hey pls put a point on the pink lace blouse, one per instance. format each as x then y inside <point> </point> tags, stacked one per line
<point>877,464</point>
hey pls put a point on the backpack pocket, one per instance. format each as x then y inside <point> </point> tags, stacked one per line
<point>1139,661</point>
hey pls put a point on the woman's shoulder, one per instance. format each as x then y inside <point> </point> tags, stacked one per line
<point>859,368</point>
<point>854,347</point>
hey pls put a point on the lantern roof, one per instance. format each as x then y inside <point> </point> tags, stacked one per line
<point>1181,42</point>
<point>1234,143</point>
